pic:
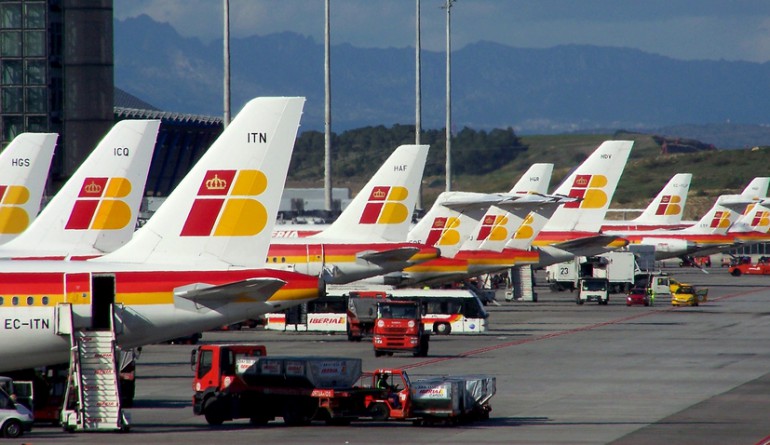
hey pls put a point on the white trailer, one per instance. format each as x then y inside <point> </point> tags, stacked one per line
<point>619,268</point>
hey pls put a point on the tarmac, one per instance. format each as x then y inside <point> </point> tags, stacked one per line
<point>566,374</point>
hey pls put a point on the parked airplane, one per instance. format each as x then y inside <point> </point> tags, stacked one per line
<point>368,238</point>
<point>472,230</point>
<point>574,228</point>
<point>664,212</point>
<point>706,236</point>
<point>753,227</point>
<point>197,264</point>
<point>24,168</point>
<point>95,211</point>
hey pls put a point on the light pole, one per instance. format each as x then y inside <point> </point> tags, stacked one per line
<point>327,120</point>
<point>448,7</point>
<point>226,44</point>
<point>417,94</point>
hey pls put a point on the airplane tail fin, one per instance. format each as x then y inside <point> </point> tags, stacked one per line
<point>535,180</point>
<point>668,206</point>
<point>24,168</point>
<point>757,188</point>
<point>594,182</point>
<point>450,221</point>
<point>756,218</point>
<point>719,218</point>
<point>534,222</point>
<point>382,210</point>
<point>223,211</point>
<point>96,210</point>
<point>499,223</point>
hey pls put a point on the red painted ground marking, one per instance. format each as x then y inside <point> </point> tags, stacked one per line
<point>567,332</point>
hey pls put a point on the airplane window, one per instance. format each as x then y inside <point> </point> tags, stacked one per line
<point>2,301</point>
<point>45,301</point>
<point>30,301</point>
<point>283,259</point>
<point>15,301</point>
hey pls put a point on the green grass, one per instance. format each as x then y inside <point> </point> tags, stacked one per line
<point>647,171</point>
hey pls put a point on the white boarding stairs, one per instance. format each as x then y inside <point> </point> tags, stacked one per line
<point>92,400</point>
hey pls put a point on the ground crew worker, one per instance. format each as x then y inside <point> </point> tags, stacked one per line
<point>382,382</point>
<point>651,294</point>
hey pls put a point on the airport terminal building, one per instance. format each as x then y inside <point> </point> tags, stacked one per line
<point>56,75</point>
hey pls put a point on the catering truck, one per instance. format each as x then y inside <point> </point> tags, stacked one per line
<point>241,382</point>
<point>619,268</point>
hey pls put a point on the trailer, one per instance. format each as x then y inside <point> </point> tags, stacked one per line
<point>241,382</point>
<point>620,268</point>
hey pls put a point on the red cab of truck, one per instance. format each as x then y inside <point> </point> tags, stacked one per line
<point>214,367</point>
<point>399,328</point>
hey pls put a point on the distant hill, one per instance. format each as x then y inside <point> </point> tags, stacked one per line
<point>536,91</point>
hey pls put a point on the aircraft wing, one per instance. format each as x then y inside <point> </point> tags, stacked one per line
<point>400,254</point>
<point>256,289</point>
<point>590,242</point>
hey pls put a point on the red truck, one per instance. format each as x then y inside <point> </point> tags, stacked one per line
<point>399,328</point>
<point>745,267</point>
<point>241,382</point>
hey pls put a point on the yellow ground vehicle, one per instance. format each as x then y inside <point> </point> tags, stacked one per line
<point>683,294</point>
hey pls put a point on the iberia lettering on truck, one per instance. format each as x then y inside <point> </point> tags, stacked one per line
<point>241,382</point>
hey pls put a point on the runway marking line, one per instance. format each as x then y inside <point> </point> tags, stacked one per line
<point>566,332</point>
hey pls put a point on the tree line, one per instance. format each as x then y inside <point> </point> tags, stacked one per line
<point>362,151</point>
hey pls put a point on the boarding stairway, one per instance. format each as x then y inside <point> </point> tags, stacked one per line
<point>92,399</point>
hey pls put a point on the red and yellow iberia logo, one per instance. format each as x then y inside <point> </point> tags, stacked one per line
<point>385,206</point>
<point>493,228</point>
<point>525,230</point>
<point>721,220</point>
<point>589,188</point>
<point>444,232</point>
<point>225,205</point>
<point>669,205</point>
<point>13,218</point>
<point>761,220</point>
<point>100,206</point>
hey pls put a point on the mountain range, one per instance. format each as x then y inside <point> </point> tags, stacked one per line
<point>563,89</point>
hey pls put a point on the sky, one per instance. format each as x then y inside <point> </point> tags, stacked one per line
<point>681,29</point>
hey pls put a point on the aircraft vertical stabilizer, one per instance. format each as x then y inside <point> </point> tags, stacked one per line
<point>499,224</point>
<point>535,180</point>
<point>668,206</point>
<point>382,210</point>
<point>451,220</point>
<point>222,213</point>
<point>24,168</point>
<point>96,209</point>
<point>594,182</point>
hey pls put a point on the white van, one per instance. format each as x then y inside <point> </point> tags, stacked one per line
<point>15,418</point>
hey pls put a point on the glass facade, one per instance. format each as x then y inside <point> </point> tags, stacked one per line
<point>24,66</point>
